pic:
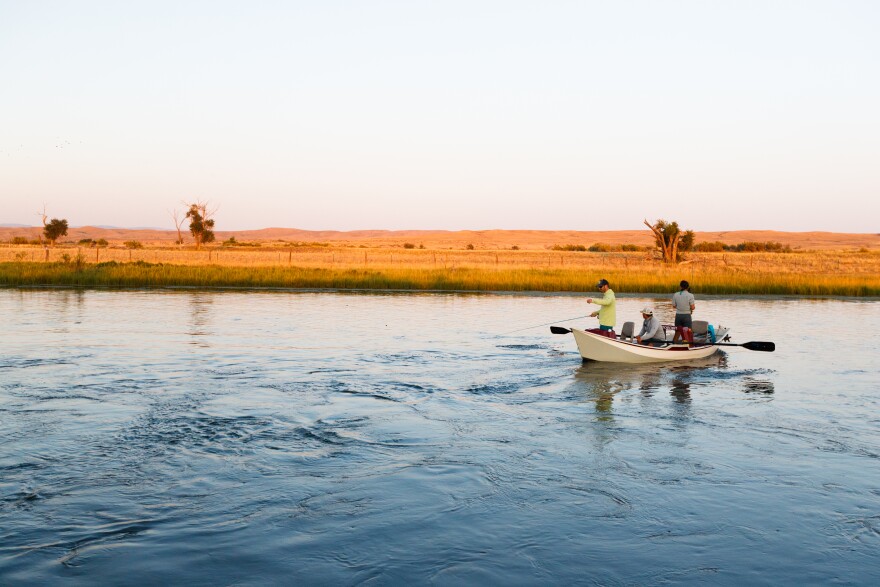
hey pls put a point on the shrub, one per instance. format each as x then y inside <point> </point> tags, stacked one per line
<point>231,242</point>
<point>709,247</point>
<point>600,248</point>
<point>514,248</point>
<point>569,248</point>
<point>102,242</point>
<point>19,240</point>
<point>86,242</point>
<point>759,247</point>
<point>470,247</point>
<point>631,248</point>
<point>20,256</point>
<point>133,245</point>
<point>409,246</point>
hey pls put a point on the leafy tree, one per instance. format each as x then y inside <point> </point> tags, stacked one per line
<point>671,240</point>
<point>55,229</point>
<point>686,243</point>
<point>201,224</point>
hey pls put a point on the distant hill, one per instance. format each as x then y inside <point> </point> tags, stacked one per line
<point>445,239</point>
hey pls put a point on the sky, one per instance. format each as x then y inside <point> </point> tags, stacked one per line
<point>350,115</point>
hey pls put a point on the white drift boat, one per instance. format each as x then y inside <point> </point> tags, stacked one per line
<point>600,347</point>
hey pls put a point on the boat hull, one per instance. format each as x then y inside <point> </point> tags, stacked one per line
<point>595,347</point>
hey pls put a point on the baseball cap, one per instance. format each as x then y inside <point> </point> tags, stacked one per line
<point>601,283</point>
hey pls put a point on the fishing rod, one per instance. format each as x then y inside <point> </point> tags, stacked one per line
<point>547,324</point>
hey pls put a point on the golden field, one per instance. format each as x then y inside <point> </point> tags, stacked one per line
<point>811,272</point>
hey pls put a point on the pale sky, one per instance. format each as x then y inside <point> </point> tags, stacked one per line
<point>346,115</point>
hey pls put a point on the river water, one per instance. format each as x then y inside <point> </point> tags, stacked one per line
<point>219,438</point>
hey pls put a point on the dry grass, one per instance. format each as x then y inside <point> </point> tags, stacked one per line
<point>849,273</point>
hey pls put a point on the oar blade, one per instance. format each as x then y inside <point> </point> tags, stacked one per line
<point>767,347</point>
<point>559,330</point>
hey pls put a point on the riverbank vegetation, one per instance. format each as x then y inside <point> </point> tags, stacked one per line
<point>842,273</point>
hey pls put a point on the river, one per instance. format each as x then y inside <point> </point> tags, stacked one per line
<point>251,438</point>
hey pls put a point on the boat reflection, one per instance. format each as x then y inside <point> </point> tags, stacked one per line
<point>601,382</point>
<point>681,390</point>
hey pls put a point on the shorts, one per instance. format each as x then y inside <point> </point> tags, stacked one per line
<point>683,320</point>
<point>603,327</point>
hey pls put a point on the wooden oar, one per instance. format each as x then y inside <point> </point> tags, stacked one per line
<point>767,347</point>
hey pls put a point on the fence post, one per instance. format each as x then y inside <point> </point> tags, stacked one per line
<point>289,256</point>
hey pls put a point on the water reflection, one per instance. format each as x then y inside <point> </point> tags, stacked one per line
<point>681,390</point>
<point>69,305</point>
<point>764,386</point>
<point>200,306</point>
<point>601,382</point>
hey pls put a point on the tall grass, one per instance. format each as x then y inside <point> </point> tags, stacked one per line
<point>648,278</point>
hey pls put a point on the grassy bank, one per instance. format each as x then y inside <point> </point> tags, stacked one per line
<point>642,279</point>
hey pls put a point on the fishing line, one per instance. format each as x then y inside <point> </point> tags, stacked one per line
<point>547,324</point>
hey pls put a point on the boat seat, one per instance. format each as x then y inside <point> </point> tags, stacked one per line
<point>700,328</point>
<point>626,333</point>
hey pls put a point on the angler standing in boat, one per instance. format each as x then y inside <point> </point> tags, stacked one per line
<point>607,313</point>
<point>683,302</point>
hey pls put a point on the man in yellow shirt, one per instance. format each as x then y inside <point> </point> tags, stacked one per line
<point>607,313</point>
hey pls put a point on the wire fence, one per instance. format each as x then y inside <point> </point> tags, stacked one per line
<point>817,262</point>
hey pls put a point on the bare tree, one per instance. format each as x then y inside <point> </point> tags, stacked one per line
<point>43,217</point>
<point>178,223</point>
<point>201,223</point>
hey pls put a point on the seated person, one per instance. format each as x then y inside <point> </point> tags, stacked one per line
<point>652,332</point>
